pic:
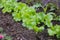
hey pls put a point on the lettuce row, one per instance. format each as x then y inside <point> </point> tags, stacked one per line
<point>20,12</point>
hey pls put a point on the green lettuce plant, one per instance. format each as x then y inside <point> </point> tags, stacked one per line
<point>54,30</point>
<point>7,5</point>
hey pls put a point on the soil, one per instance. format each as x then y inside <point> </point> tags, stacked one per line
<point>18,32</point>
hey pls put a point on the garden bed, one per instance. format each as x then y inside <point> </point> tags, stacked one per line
<point>18,32</point>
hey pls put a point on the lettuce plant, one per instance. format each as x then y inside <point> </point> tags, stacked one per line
<point>7,5</point>
<point>54,30</point>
